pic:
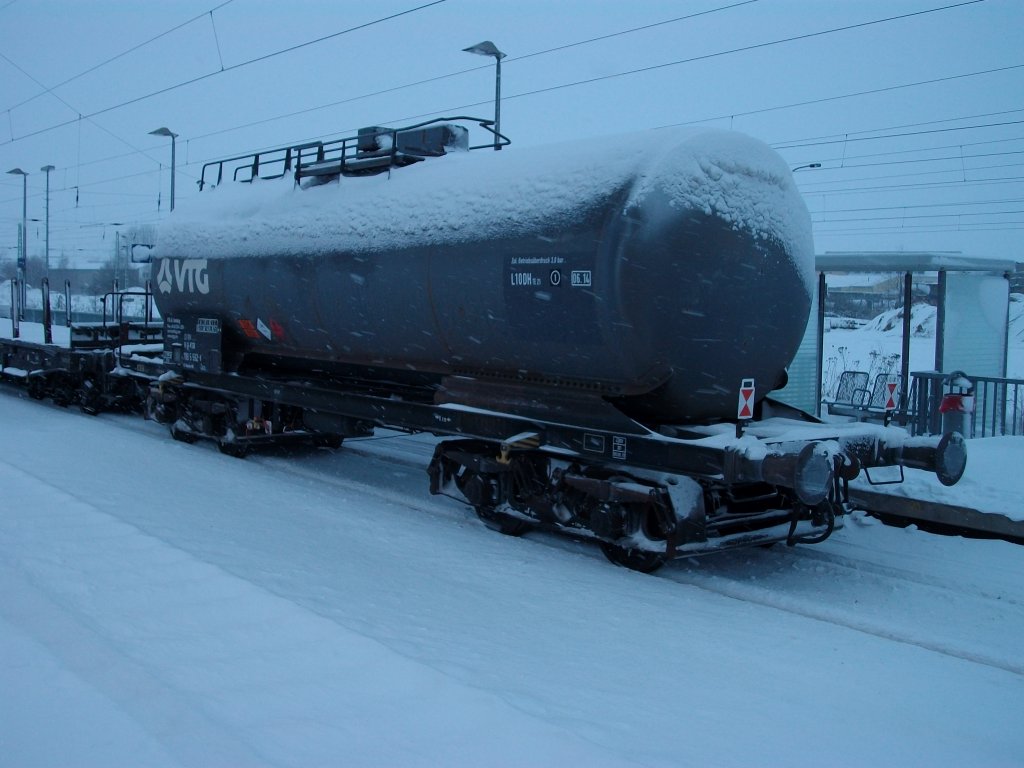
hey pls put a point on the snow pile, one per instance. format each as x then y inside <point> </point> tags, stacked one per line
<point>490,195</point>
<point>922,321</point>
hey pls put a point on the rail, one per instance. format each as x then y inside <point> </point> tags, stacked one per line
<point>348,155</point>
<point>998,404</point>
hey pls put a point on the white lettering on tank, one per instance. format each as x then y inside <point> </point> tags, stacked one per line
<point>183,275</point>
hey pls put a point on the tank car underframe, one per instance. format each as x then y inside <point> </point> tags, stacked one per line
<point>69,376</point>
<point>641,519</point>
<point>645,497</point>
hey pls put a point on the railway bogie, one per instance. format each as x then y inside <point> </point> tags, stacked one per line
<point>641,519</point>
<point>240,425</point>
<point>69,376</point>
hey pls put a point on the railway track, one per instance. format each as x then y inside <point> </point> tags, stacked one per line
<point>845,583</point>
<point>741,589</point>
<point>729,574</point>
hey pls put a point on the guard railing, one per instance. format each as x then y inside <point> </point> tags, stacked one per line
<point>998,404</point>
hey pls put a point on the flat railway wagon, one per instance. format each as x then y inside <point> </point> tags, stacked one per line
<point>593,328</point>
<point>74,361</point>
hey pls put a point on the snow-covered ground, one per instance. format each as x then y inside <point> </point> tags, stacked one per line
<point>166,605</point>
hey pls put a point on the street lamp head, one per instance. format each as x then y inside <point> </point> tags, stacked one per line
<point>47,168</point>
<point>809,165</point>
<point>18,172</point>
<point>167,132</point>
<point>486,48</point>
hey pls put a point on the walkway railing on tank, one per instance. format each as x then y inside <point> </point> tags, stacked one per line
<point>351,152</point>
<point>996,405</point>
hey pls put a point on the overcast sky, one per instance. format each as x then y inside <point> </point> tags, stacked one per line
<point>953,179</point>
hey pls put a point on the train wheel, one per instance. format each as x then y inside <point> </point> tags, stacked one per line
<point>63,391</point>
<point>328,440</point>
<point>89,396</point>
<point>182,435</point>
<point>642,560</point>
<point>232,448</point>
<point>36,387</point>
<point>502,522</point>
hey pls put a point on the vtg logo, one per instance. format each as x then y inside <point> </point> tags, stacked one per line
<point>185,275</point>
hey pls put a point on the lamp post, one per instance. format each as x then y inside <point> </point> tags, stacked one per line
<point>487,48</point>
<point>23,238</point>
<point>46,261</point>
<point>168,132</point>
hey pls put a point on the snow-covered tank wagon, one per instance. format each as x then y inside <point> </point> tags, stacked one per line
<point>657,269</point>
<point>594,321</point>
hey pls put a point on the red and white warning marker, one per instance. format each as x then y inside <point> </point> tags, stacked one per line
<point>890,404</point>
<point>745,408</point>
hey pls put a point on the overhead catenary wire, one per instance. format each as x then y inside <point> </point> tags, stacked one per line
<point>898,215</point>
<point>548,89</point>
<point>135,149</point>
<point>472,105</point>
<point>922,185</point>
<point>924,229</point>
<point>231,68</point>
<point>900,126</point>
<point>803,179</point>
<point>640,70</point>
<point>932,148</point>
<point>507,60</point>
<point>524,56</point>
<point>1003,201</point>
<point>826,99</point>
<point>755,46</point>
<point>827,188</point>
<point>69,106</point>
<point>846,140</point>
<point>927,159</point>
<point>634,29</point>
<point>124,53</point>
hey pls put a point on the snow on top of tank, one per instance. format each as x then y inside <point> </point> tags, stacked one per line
<point>486,195</point>
<point>742,181</point>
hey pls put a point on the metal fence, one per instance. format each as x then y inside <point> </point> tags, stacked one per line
<point>996,405</point>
